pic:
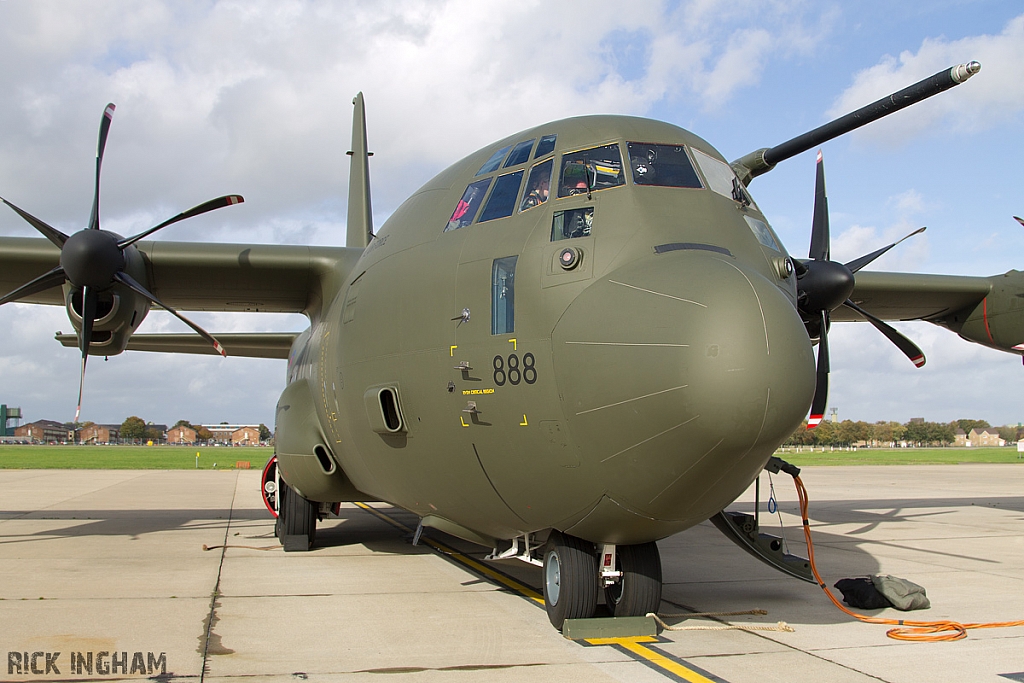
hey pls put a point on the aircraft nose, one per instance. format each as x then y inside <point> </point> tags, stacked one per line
<point>680,375</point>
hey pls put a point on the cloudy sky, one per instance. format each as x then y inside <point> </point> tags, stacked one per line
<point>255,98</point>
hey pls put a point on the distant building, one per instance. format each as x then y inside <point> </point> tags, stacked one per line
<point>44,431</point>
<point>99,434</point>
<point>181,434</point>
<point>960,438</point>
<point>246,436</point>
<point>224,433</point>
<point>989,436</point>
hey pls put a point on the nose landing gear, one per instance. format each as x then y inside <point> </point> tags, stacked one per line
<point>572,579</point>
<point>638,589</point>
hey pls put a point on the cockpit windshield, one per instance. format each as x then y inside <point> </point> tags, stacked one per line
<point>663,165</point>
<point>598,168</point>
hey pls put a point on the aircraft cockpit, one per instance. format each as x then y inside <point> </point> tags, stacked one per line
<point>495,192</point>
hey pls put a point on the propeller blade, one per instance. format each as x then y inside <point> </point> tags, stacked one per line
<point>53,234</point>
<point>43,282</point>
<point>127,280</point>
<point>909,348</point>
<point>108,116</point>
<point>859,263</point>
<point>821,378</point>
<point>1019,219</point>
<point>820,248</point>
<point>213,204</point>
<point>89,301</point>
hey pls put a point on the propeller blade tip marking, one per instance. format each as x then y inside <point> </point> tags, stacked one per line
<point>220,349</point>
<point>919,361</point>
<point>819,156</point>
<point>235,199</point>
<point>109,111</point>
<point>813,421</point>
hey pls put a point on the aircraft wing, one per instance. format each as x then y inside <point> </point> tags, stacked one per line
<point>912,296</point>
<point>205,276</point>
<point>237,344</point>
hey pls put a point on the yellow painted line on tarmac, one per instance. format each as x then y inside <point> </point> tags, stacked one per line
<point>634,647</point>
<point>477,567</point>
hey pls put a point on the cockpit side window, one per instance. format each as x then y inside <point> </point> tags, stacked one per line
<point>721,178</point>
<point>494,162</point>
<point>520,153</point>
<point>502,201</point>
<point>467,207</point>
<point>662,165</point>
<point>599,168</point>
<point>545,146</point>
<point>567,225</point>
<point>537,185</point>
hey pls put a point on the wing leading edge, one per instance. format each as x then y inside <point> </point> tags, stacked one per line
<point>985,310</point>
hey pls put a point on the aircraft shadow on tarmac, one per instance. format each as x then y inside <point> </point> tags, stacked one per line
<point>703,571</point>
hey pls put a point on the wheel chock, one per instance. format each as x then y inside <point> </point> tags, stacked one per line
<point>609,627</point>
<point>295,543</point>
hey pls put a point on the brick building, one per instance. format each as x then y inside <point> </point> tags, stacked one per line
<point>44,431</point>
<point>99,434</point>
<point>246,436</point>
<point>182,434</point>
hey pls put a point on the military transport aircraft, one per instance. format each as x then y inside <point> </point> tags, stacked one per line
<point>572,343</point>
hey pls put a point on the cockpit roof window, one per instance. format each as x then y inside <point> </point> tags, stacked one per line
<point>467,207</point>
<point>520,153</point>
<point>545,146</point>
<point>598,167</point>
<point>662,165</point>
<point>502,201</point>
<point>495,161</point>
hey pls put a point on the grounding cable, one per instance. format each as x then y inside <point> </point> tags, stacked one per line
<point>916,631</point>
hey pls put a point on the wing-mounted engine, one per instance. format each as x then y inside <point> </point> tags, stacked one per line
<point>103,273</point>
<point>119,309</point>
<point>998,320</point>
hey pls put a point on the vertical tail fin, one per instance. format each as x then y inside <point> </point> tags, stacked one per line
<point>360,215</point>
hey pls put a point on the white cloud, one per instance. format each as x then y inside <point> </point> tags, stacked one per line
<point>988,98</point>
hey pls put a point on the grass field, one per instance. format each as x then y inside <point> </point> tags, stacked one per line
<point>129,457</point>
<point>184,457</point>
<point>901,456</point>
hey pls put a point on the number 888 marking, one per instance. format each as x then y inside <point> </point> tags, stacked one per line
<point>510,370</point>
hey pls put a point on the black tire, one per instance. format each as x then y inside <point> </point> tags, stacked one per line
<point>296,517</point>
<point>639,590</point>
<point>570,578</point>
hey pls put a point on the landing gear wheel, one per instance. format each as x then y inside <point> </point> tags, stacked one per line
<point>638,591</point>
<point>570,578</point>
<point>296,523</point>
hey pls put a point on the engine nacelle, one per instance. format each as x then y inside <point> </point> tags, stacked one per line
<point>998,321</point>
<point>119,310</point>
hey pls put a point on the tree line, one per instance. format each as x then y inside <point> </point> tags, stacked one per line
<point>915,432</point>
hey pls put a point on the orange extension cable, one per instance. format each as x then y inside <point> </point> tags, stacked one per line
<point>917,631</point>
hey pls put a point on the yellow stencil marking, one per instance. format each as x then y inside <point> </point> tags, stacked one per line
<point>513,343</point>
<point>524,423</point>
<point>463,421</point>
<point>451,351</point>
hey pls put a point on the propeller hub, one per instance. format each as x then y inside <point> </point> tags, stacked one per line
<point>823,285</point>
<point>91,258</point>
